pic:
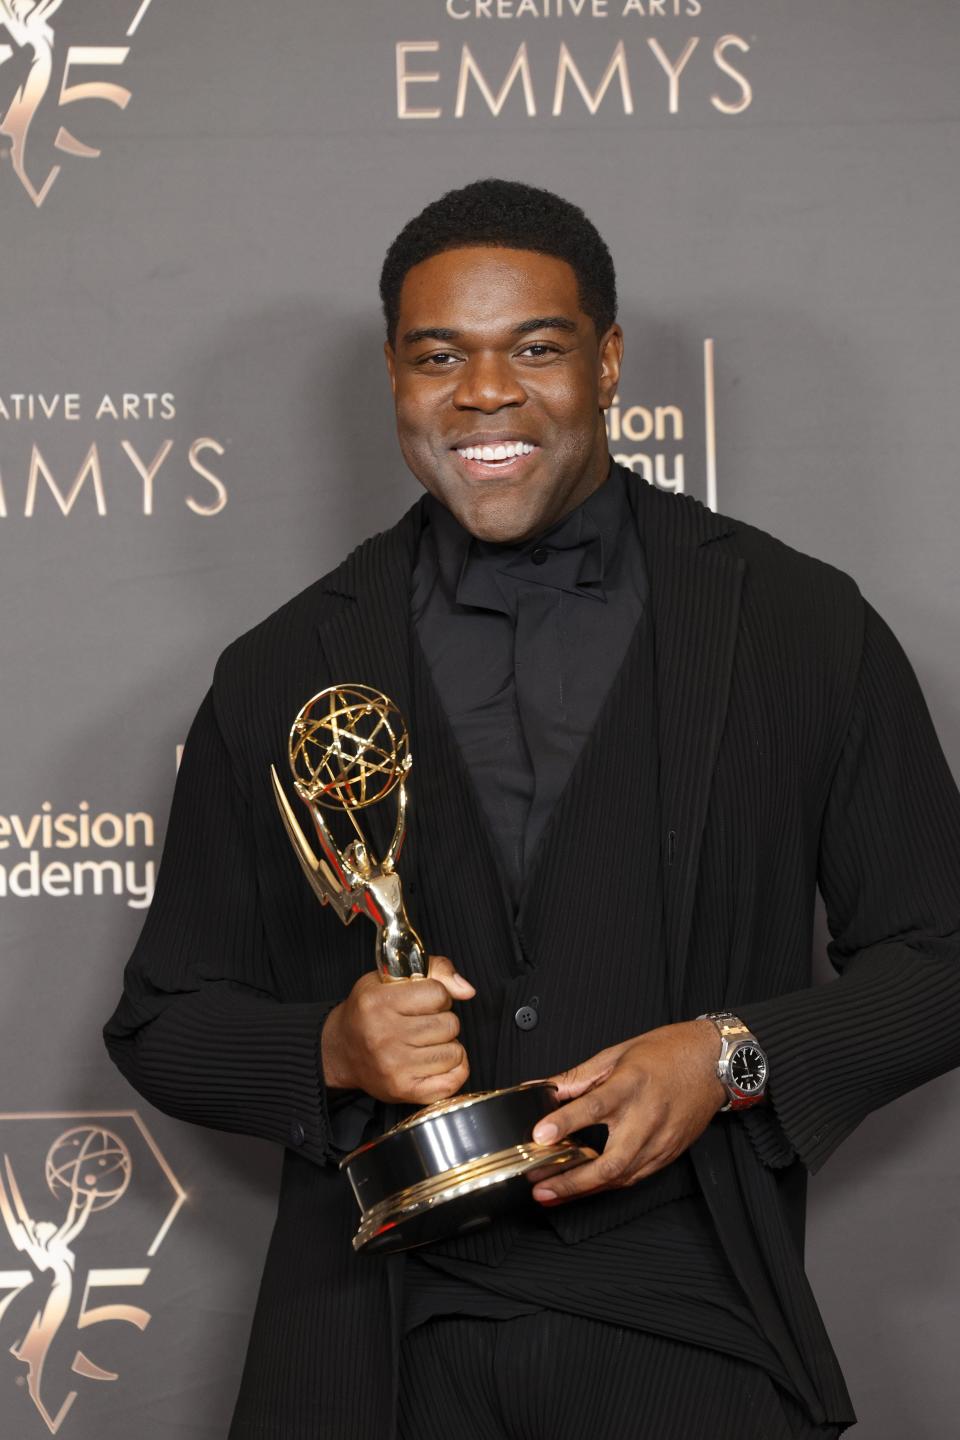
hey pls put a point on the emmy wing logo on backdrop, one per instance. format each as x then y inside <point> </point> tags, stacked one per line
<point>29,47</point>
<point>59,1175</point>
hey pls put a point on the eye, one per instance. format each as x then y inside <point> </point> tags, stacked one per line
<point>538,349</point>
<point>438,359</point>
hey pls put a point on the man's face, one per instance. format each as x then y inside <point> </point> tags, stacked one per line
<point>494,355</point>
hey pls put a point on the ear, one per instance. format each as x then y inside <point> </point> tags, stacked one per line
<point>391,360</point>
<point>610,358</point>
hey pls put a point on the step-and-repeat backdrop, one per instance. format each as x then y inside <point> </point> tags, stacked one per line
<point>195,422</point>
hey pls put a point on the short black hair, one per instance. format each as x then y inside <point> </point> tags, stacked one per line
<point>515,216</point>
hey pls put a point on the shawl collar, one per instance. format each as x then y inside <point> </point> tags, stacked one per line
<point>365,633</point>
<point>695,588</point>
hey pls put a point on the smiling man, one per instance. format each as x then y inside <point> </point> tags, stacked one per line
<point>500,413</point>
<point>645,734</point>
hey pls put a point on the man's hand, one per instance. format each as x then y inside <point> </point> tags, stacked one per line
<point>655,1094</point>
<point>398,1040</point>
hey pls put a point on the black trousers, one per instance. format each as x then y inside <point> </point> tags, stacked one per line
<point>551,1376</point>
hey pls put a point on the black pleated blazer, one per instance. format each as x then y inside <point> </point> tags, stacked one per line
<point>795,750</point>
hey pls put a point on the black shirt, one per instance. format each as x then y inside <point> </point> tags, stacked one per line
<point>523,642</point>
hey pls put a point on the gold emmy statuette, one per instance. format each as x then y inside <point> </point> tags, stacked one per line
<point>452,1166</point>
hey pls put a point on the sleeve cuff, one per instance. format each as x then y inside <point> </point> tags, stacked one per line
<point>237,1061</point>
<point>768,1137</point>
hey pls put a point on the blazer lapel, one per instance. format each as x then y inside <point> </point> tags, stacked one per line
<point>367,638</point>
<point>695,590</point>
<point>365,632</point>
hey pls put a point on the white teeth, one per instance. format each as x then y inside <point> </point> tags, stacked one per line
<point>496,452</point>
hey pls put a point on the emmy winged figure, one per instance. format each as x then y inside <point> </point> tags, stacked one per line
<point>27,24</point>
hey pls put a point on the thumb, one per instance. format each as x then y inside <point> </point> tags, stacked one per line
<point>441,968</point>
<point>583,1077</point>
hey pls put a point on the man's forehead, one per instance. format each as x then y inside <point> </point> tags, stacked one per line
<point>487,285</point>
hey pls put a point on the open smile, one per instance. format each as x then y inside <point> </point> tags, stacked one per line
<point>502,457</point>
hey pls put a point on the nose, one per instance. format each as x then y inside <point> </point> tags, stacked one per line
<point>487,383</point>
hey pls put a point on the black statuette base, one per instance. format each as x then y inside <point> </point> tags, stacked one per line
<point>453,1166</point>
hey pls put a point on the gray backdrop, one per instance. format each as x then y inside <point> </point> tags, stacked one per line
<point>788,195</point>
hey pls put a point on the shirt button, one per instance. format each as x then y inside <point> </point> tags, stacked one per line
<point>540,556</point>
<point>297,1133</point>
<point>526,1018</point>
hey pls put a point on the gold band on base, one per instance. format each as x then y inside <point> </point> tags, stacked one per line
<point>505,1165</point>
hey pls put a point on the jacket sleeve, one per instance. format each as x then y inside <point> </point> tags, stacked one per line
<point>199,1030</point>
<point>889,873</point>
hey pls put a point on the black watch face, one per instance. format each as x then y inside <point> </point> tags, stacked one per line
<point>748,1068</point>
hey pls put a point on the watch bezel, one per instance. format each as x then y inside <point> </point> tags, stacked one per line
<point>726,1065</point>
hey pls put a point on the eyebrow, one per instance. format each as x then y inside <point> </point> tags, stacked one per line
<point>526,327</point>
<point>546,322</point>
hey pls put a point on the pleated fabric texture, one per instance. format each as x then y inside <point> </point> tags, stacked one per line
<point>595,973</point>
<point>889,870</point>
<point>795,748</point>
<point>663,1272</point>
<point>559,1377</point>
<point>636,1260</point>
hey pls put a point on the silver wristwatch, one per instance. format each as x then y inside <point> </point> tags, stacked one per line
<point>742,1066</point>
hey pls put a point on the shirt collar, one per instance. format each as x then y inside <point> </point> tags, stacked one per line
<point>574,555</point>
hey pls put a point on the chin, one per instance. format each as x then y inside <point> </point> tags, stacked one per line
<point>489,518</point>
<point>497,529</point>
